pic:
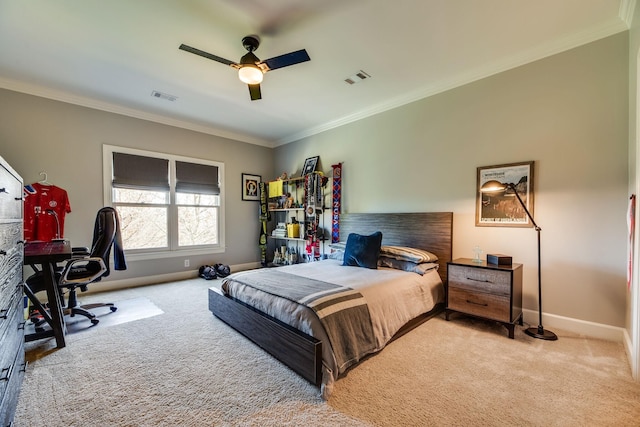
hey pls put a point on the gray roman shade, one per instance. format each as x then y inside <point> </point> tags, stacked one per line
<point>140,172</point>
<point>196,178</point>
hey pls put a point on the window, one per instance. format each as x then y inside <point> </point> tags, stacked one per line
<point>166,203</point>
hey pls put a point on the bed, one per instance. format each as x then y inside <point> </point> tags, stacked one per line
<point>302,341</point>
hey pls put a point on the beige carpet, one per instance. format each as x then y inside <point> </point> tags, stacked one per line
<point>186,368</point>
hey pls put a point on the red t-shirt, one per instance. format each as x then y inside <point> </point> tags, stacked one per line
<point>42,205</point>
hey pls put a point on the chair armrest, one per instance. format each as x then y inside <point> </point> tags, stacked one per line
<point>80,250</point>
<point>77,272</point>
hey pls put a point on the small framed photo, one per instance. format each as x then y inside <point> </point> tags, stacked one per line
<point>310,165</point>
<point>250,187</point>
<point>502,208</point>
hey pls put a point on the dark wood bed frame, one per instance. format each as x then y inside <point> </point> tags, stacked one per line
<point>432,231</point>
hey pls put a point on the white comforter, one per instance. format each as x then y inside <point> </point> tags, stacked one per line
<point>394,297</point>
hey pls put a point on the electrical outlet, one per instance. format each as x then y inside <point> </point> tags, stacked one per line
<point>186,263</point>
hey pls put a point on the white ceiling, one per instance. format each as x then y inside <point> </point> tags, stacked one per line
<point>112,54</point>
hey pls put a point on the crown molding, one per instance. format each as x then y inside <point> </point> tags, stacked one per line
<point>522,58</point>
<point>82,101</point>
<point>627,7</point>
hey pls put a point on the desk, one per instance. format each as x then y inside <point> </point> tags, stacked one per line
<point>47,254</point>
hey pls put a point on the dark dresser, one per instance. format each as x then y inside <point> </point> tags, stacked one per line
<point>12,363</point>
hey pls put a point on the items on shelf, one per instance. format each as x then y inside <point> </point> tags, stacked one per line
<point>285,256</point>
<point>298,205</point>
<point>280,231</point>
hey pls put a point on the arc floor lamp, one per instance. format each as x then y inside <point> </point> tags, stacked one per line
<point>536,332</point>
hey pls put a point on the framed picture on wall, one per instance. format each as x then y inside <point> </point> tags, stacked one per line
<point>310,165</point>
<point>502,208</point>
<point>250,188</point>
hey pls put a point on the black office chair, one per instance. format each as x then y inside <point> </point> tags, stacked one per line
<point>88,266</point>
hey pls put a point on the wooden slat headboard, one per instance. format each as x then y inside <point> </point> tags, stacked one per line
<point>431,231</point>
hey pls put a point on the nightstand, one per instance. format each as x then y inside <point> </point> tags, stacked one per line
<point>484,290</point>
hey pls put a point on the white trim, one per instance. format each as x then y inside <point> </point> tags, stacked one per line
<point>57,95</point>
<point>627,7</point>
<point>107,178</point>
<point>143,256</point>
<point>576,326</point>
<point>522,58</point>
<point>622,23</point>
<point>114,285</point>
<point>628,348</point>
<point>634,299</point>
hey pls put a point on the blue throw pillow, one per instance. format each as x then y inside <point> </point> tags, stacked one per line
<point>363,251</point>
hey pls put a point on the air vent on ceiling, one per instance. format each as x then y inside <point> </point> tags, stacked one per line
<point>165,96</point>
<point>357,77</point>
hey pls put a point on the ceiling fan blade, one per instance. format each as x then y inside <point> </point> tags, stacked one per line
<point>287,59</point>
<point>254,91</point>
<point>206,55</point>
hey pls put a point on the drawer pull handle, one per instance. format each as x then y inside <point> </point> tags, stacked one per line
<point>21,325</point>
<point>479,280</point>
<point>3,190</point>
<point>6,373</point>
<point>4,314</point>
<point>3,252</point>
<point>18,199</point>
<point>477,303</point>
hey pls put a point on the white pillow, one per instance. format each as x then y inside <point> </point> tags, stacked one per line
<point>404,253</point>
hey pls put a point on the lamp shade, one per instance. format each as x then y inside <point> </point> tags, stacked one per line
<point>492,186</point>
<point>250,74</point>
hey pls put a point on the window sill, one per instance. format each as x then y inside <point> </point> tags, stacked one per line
<point>143,256</point>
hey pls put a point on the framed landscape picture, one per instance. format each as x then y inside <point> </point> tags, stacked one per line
<point>250,188</point>
<point>502,208</point>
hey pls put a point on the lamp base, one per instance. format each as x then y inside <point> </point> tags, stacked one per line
<point>541,333</point>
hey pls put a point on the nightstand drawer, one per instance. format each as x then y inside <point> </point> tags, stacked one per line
<point>480,304</point>
<point>480,279</point>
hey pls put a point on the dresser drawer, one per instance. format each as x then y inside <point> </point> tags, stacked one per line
<point>12,338</point>
<point>481,280</point>
<point>9,399</point>
<point>480,304</point>
<point>10,195</point>
<point>11,250</point>
<point>11,289</point>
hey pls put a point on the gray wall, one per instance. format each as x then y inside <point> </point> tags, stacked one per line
<point>65,140</point>
<point>567,112</point>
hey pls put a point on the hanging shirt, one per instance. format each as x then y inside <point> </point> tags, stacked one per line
<point>45,207</point>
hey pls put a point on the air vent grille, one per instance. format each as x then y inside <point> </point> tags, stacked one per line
<point>164,96</point>
<point>357,77</point>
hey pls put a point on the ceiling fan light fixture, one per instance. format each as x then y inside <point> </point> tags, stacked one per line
<point>250,74</point>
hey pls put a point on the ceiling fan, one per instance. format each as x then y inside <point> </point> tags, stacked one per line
<point>250,68</point>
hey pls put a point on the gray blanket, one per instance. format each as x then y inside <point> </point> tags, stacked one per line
<point>342,311</point>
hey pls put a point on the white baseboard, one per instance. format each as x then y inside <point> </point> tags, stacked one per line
<point>628,348</point>
<point>113,285</point>
<point>577,326</point>
<point>550,321</point>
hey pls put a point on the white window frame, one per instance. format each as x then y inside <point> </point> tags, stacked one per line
<point>173,250</point>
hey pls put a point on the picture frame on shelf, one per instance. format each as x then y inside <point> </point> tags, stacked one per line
<point>251,187</point>
<point>502,209</point>
<point>310,165</point>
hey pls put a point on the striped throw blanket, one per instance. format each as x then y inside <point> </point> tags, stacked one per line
<point>342,311</point>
